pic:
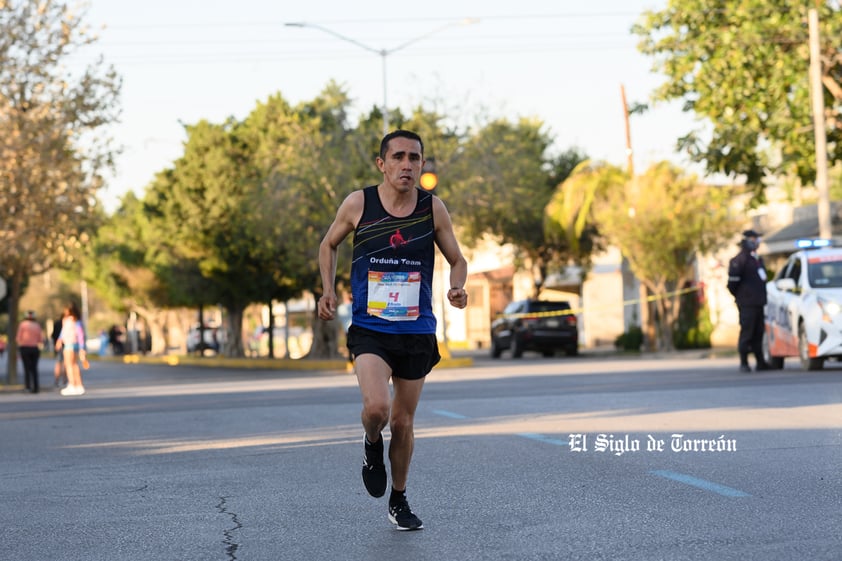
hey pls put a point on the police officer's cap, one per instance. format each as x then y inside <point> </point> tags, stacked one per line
<point>751,234</point>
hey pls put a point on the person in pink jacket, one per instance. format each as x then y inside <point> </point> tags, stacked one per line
<point>71,341</point>
<point>29,338</point>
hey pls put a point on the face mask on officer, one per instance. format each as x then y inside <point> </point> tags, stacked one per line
<point>751,240</point>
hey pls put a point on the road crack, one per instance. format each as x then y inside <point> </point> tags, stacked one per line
<point>229,535</point>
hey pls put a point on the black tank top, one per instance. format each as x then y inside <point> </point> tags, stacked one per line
<point>392,267</point>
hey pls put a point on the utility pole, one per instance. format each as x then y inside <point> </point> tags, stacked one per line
<point>646,325</point>
<point>817,94</point>
<point>629,153</point>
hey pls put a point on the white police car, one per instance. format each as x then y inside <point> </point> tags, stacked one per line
<point>803,311</point>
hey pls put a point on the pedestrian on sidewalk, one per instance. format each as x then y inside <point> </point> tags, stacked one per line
<point>392,336</point>
<point>29,338</point>
<point>71,342</point>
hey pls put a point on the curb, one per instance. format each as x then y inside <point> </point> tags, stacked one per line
<point>303,365</point>
<point>344,365</point>
<point>306,365</point>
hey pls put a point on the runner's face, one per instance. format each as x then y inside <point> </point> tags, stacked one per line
<point>403,163</point>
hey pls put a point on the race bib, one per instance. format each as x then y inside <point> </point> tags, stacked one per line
<point>394,296</point>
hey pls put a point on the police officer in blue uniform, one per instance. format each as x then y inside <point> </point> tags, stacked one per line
<point>747,282</point>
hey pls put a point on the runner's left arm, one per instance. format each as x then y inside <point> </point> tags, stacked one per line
<point>446,241</point>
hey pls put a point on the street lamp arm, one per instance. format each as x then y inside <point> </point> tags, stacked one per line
<point>335,34</point>
<point>466,21</point>
<point>383,53</point>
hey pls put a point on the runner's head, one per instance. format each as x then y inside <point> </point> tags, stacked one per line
<point>384,144</point>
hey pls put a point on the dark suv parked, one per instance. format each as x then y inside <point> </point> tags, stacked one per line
<point>535,325</point>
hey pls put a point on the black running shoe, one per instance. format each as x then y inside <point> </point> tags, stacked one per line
<point>374,471</point>
<point>401,516</point>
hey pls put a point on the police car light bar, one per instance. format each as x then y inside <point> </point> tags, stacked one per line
<point>813,244</point>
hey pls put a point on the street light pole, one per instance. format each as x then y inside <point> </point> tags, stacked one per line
<point>383,53</point>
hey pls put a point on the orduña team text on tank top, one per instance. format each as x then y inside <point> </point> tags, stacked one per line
<point>392,268</point>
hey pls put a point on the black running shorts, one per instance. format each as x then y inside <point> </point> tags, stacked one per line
<point>410,356</point>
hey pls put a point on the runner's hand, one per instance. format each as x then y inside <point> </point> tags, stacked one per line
<point>458,297</point>
<point>327,307</point>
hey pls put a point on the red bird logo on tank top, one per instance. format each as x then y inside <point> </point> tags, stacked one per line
<point>397,240</point>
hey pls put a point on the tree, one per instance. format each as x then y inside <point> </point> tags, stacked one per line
<point>209,207</point>
<point>240,214</point>
<point>312,159</point>
<point>661,221</point>
<point>742,67</point>
<point>120,266</point>
<point>505,179</point>
<point>53,142</point>
<point>175,265</point>
<point>570,219</point>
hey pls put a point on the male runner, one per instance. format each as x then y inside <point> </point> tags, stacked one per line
<point>392,332</point>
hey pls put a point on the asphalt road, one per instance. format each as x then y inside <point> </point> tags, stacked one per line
<point>180,463</point>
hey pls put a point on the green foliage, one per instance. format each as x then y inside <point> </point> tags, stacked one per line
<point>742,68</point>
<point>661,221</point>
<point>835,182</point>
<point>630,340</point>
<point>239,216</point>
<point>570,218</point>
<point>504,179</point>
<point>502,186</point>
<point>694,328</point>
<point>119,259</point>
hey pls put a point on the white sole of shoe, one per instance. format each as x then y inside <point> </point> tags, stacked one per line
<point>401,528</point>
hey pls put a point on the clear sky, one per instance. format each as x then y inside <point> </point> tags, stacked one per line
<point>562,61</point>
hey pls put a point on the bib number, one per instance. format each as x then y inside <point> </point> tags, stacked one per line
<point>394,296</point>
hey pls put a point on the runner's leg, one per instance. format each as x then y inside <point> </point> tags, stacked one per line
<point>407,395</point>
<point>373,378</point>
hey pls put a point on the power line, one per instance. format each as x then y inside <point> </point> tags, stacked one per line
<point>465,48</point>
<point>368,21</point>
<point>236,50</point>
<point>167,58</point>
<point>310,40</point>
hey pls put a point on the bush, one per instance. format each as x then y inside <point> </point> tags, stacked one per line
<point>694,326</point>
<point>631,340</point>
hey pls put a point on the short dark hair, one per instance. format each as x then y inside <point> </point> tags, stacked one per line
<point>400,133</point>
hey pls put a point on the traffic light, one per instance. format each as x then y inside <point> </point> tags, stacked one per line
<point>429,179</point>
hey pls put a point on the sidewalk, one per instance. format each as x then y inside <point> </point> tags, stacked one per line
<point>459,358</point>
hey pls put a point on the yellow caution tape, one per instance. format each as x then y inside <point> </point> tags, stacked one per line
<point>574,311</point>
